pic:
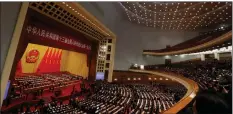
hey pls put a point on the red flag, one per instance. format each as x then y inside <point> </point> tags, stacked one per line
<point>53,59</point>
<point>59,59</point>
<point>43,64</point>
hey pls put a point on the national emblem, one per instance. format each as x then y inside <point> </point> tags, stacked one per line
<point>32,56</point>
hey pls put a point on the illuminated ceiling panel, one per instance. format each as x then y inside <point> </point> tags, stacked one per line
<point>178,15</point>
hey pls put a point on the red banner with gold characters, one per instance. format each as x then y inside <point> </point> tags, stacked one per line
<point>49,34</point>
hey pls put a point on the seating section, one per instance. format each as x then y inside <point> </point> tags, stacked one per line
<point>151,98</point>
<point>118,99</point>
<point>43,81</point>
<point>63,109</point>
<point>210,75</point>
<point>201,39</point>
<point>32,112</point>
<point>25,85</point>
<point>32,81</point>
<point>103,97</point>
<point>114,99</point>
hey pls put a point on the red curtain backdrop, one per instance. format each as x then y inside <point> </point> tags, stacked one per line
<point>19,68</point>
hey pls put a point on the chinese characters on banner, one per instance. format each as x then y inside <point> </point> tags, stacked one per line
<point>33,30</point>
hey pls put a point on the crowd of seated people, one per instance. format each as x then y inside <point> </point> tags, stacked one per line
<point>31,81</point>
<point>151,98</point>
<point>63,109</point>
<point>178,91</point>
<point>43,81</point>
<point>121,99</point>
<point>23,86</point>
<point>130,99</point>
<point>211,75</point>
<point>64,78</point>
<point>139,98</point>
<point>52,105</point>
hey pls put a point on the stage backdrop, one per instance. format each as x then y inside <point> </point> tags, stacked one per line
<point>44,59</point>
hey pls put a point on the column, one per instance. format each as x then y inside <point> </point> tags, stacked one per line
<point>202,57</point>
<point>9,60</point>
<point>216,55</point>
<point>112,60</point>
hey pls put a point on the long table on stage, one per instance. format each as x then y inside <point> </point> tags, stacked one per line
<point>56,87</point>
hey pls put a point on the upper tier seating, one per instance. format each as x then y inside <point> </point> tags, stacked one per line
<point>201,39</point>
<point>211,74</point>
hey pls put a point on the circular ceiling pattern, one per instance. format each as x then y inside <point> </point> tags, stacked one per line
<point>178,15</point>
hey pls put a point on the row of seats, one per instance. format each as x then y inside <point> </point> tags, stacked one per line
<point>211,75</point>
<point>117,99</point>
<point>120,98</point>
<point>32,112</point>
<point>150,98</point>
<point>31,82</point>
<point>64,109</point>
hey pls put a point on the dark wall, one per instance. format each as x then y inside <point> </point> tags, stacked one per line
<point>127,77</point>
<point>9,15</point>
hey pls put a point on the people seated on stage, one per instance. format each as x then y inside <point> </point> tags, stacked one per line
<point>38,83</point>
<point>28,87</point>
<point>44,81</point>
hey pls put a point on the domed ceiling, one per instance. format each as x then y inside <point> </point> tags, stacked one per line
<point>179,15</point>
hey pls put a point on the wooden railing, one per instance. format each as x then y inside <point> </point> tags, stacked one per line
<point>192,89</point>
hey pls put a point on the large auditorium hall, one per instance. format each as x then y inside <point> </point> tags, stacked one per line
<point>116,57</point>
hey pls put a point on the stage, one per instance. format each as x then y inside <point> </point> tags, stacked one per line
<point>66,91</point>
